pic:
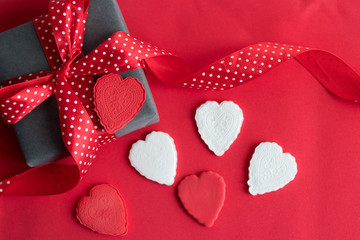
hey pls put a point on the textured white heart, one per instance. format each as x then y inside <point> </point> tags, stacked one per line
<point>219,124</point>
<point>270,169</point>
<point>155,158</point>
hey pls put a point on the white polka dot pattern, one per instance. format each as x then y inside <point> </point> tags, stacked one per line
<point>119,53</point>
<point>242,66</point>
<point>27,97</point>
<point>4,184</point>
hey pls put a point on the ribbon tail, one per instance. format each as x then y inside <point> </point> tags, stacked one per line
<point>42,181</point>
<point>333,73</point>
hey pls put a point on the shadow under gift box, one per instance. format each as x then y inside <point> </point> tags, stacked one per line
<point>21,53</point>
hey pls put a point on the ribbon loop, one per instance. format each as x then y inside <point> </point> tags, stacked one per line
<point>22,98</point>
<point>68,19</point>
<point>119,53</point>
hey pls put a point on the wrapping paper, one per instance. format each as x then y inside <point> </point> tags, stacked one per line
<point>287,105</point>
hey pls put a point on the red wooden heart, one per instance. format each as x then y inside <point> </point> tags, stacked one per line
<point>103,211</point>
<point>203,197</point>
<point>117,100</point>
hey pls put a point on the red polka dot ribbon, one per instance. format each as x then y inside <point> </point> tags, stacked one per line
<point>70,80</point>
<point>251,62</point>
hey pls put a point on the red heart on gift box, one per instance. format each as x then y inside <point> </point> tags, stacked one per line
<point>103,211</point>
<point>203,196</point>
<point>117,100</point>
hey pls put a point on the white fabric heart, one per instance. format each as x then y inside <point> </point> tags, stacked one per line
<point>270,169</point>
<point>155,158</point>
<point>219,124</point>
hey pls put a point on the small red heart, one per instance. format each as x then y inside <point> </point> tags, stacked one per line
<point>117,100</point>
<point>203,197</point>
<point>103,211</point>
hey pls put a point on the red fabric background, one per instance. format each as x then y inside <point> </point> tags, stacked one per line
<point>286,105</point>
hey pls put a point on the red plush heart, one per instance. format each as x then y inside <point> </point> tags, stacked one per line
<point>103,211</point>
<point>203,197</point>
<point>117,100</point>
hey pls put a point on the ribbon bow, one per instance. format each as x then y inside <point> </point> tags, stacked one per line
<point>61,34</point>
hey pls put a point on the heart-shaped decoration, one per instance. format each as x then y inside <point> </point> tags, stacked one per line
<point>219,124</point>
<point>103,211</point>
<point>155,158</point>
<point>117,100</point>
<point>270,169</point>
<point>203,196</point>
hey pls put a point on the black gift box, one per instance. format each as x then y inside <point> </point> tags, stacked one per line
<point>21,53</point>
